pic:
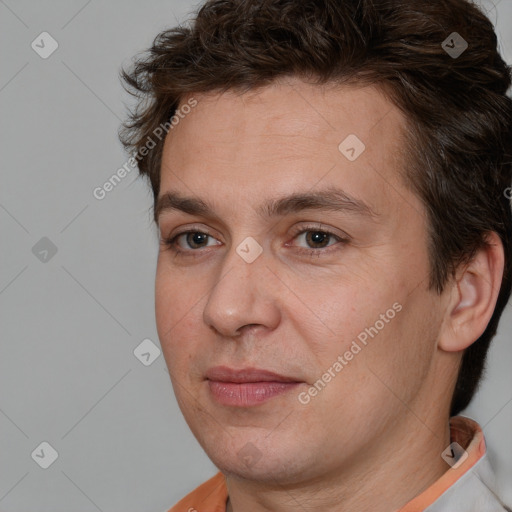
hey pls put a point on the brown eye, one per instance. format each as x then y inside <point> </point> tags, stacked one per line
<point>196,240</point>
<point>312,241</point>
<point>317,239</point>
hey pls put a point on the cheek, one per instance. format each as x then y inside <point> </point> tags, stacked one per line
<point>372,384</point>
<point>398,357</point>
<point>176,297</point>
<point>342,309</point>
<point>373,324</point>
<point>178,313</point>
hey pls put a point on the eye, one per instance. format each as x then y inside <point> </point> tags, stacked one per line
<point>190,241</point>
<point>194,239</point>
<point>312,239</point>
<point>317,239</point>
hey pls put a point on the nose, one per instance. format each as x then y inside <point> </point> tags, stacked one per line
<point>243,296</point>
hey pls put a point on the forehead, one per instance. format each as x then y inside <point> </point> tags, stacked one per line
<point>292,107</point>
<point>289,136</point>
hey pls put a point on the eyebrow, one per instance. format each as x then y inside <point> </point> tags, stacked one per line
<point>333,199</point>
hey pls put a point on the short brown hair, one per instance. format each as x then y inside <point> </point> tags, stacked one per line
<point>459,133</point>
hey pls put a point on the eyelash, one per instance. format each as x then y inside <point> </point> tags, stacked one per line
<point>170,243</point>
<point>320,251</point>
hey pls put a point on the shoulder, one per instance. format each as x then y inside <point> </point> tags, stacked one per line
<point>211,496</point>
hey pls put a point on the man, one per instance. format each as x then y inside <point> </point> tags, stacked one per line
<point>329,181</point>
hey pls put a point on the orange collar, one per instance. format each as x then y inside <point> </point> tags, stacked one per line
<point>468,434</point>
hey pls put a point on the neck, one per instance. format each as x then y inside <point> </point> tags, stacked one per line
<point>385,476</point>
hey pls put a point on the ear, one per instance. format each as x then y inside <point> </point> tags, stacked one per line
<point>473,296</point>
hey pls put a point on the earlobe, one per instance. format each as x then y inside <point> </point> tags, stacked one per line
<point>474,293</point>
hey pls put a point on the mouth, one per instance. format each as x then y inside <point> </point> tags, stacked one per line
<point>247,387</point>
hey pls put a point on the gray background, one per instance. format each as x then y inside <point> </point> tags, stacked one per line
<point>69,325</point>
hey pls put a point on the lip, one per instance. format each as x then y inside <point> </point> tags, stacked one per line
<point>225,374</point>
<point>247,387</point>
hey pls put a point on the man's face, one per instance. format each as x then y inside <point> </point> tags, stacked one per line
<point>327,275</point>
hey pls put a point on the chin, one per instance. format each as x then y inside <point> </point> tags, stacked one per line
<point>265,461</point>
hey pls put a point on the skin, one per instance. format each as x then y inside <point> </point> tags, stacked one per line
<point>372,439</point>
